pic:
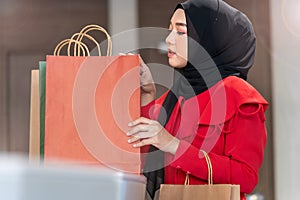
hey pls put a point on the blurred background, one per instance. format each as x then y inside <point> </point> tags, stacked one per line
<point>30,30</point>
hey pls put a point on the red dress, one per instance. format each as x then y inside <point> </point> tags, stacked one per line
<point>228,122</point>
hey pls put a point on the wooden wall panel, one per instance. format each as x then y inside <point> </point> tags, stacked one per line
<point>3,100</point>
<point>156,13</point>
<point>18,106</point>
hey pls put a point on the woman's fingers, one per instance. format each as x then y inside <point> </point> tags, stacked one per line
<point>141,135</point>
<point>137,129</point>
<point>141,120</point>
<point>133,139</point>
<point>143,143</point>
<point>149,132</point>
<point>142,128</point>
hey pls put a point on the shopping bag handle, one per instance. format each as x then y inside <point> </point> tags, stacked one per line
<point>75,37</point>
<point>65,42</point>
<point>92,27</point>
<point>209,166</point>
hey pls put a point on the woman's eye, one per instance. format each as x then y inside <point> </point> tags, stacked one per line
<point>180,33</point>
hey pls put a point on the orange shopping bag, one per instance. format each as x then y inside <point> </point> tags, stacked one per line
<point>89,102</point>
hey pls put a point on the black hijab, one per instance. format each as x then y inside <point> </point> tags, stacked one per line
<point>221,43</point>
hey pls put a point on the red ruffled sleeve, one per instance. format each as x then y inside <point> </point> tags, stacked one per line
<point>244,150</point>
<point>243,138</point>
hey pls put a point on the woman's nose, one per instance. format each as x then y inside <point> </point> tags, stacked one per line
<point>170,39</point>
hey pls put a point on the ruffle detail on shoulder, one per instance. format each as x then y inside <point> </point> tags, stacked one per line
<point>225,98</point>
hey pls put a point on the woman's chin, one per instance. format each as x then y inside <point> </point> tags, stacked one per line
<point>177,63</point>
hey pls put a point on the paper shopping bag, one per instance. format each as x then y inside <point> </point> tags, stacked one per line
<point>34,136</point>
<point>205,192</point>
<point>42,90</point>
<point>89,102</point>
<point>195,192</point>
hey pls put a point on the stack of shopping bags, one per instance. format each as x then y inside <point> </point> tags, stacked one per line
<point>81,105</point>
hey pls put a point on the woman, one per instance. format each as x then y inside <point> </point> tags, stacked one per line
<point>210,106</point>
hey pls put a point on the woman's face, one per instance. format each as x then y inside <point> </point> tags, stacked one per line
<point>177,40</point>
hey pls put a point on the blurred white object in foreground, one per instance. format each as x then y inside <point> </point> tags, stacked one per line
<point>20,181</point>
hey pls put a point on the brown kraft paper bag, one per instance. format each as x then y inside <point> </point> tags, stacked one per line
<point>203,192</point>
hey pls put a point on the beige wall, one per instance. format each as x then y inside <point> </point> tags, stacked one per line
<point>286,96</point>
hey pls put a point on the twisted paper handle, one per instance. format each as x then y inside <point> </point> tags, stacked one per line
<point>80,48</point>
<point>65,42</point>
<point>92,27</point>
<point>210,172</point>
<point>209,166</point>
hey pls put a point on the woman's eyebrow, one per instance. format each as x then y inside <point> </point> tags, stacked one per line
<point>179,23</point>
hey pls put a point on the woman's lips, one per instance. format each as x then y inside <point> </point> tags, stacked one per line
<point>171,53</point>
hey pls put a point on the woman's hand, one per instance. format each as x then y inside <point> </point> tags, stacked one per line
<point>148,89</point>
<point>145,132</point>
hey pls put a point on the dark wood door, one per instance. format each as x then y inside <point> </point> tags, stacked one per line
<point>29,30</point>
